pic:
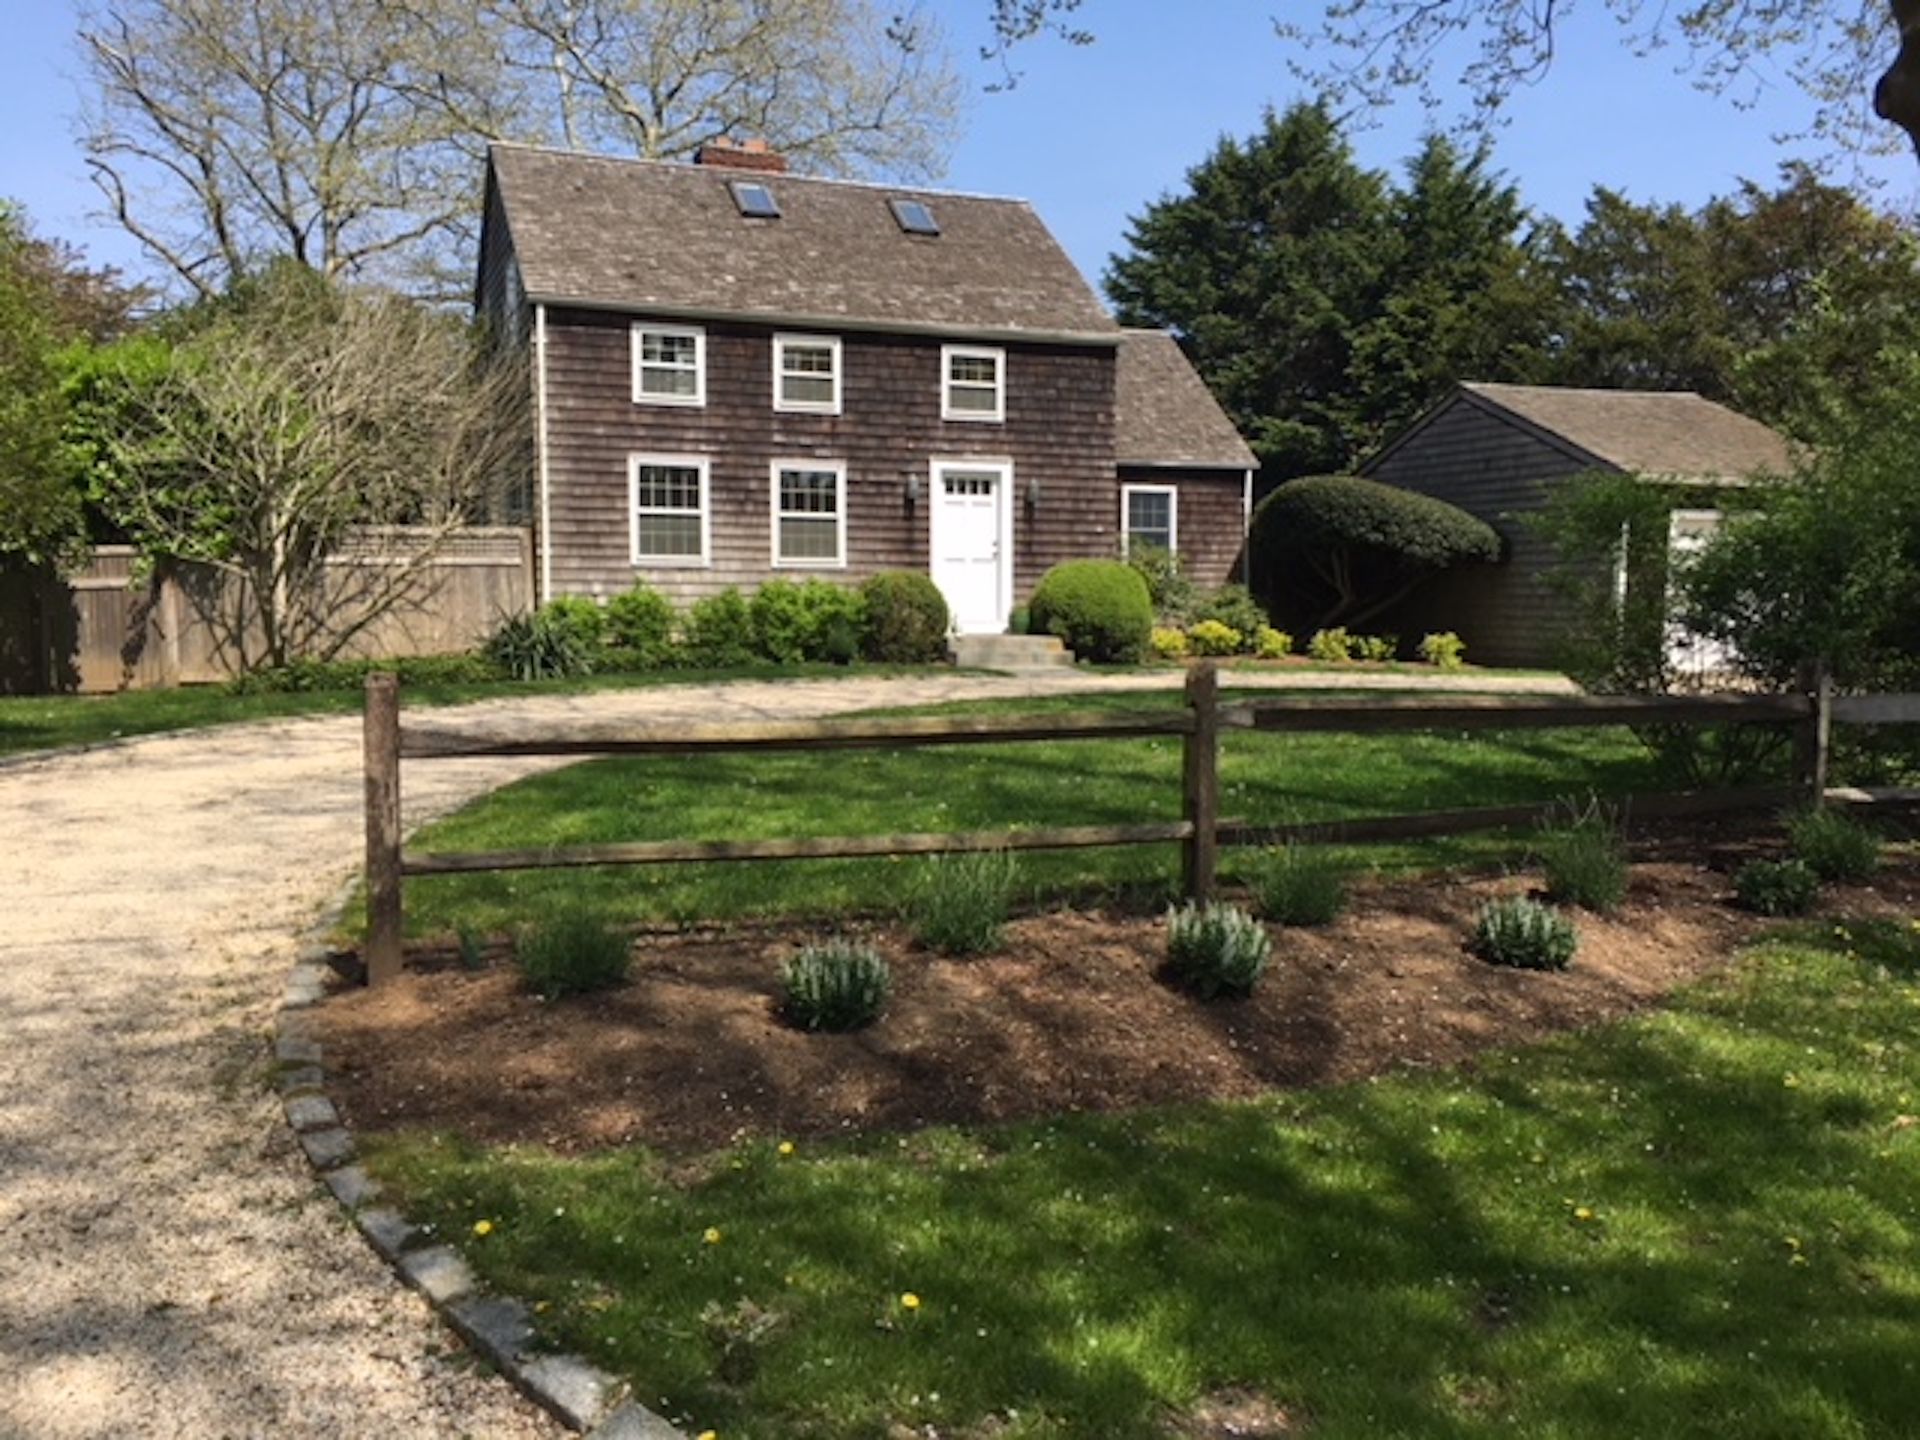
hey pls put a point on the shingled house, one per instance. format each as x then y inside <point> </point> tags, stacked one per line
<point>1497,451</point>
<point>741,373</point>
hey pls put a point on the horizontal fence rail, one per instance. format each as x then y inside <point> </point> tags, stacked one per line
<point>1200,831</point>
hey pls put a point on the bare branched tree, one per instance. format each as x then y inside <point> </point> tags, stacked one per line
<point>345,134</point>
<point>315,448</point>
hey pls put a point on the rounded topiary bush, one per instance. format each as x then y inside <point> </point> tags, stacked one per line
<point>1099,608</point>
<point>905,618</point>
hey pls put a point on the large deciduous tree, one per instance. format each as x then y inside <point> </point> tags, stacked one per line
<point>344,134</point>
<point>293,425</point>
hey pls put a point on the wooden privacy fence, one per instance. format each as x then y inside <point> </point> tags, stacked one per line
<point>1200,831</point>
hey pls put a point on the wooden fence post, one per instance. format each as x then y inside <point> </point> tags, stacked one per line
<point>1813,739</point>
<point>383,827</point>
<point>1200,782</point>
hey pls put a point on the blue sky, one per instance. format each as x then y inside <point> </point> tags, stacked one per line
<point>1093,134</point>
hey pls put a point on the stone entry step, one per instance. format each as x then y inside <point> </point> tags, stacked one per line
<point>1009,652</point>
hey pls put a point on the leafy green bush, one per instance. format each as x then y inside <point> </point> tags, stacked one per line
<point>779,622</point>
<point>309,676</point>
<point>1301,885</point>
<point>719,632</point>
<point>1210,637</point>
<point>1839,850</point>
<point>582,616</point>
<point>1100,608</point>
<point>1378,648</point>
<point>835,986</point>
<point>1514,930</point>
<point>1020,622</point>
<point>1272,644</point>
<point>539,645</point>
<point>962,901</point>
<point>1334,644</point>
<point>906,618</point>
<point>1585,859</point>
<point>1168,587</point>
<point>806,622</point>
<point>1167,643</point>
<point>1776,887</point>
<point>1333,548</point>
<point>1234,607</point>
<point>1443,650</point>
<point>572,953</point>
<point>1216,949</point>
<point>639,625</point>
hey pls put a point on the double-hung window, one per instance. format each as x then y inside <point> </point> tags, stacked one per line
<point>1150,514</point>
<point>806,373</point>
<point>973,383</point>
<point>809,513</point>
<point>669,364</point>
<point>671,509</point>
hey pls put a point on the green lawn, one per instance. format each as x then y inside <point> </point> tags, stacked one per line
<point>1702,1222</point>
<point>1264,777</point>
<point>44,722</point>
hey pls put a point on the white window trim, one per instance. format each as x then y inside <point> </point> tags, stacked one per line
<point>643,328</point>
<point>806,407</point>
<point>1172,492</point>
<point>950,353</point>
<point>839,469</point>
<point>704,560</point>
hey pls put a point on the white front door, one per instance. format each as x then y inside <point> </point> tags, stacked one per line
<point>1692,656</point>
<point>972,542</point>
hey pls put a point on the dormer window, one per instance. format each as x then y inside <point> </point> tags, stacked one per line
<point>754,200</point>
<point>806,374</point>
<point>973,383</point>
<point>914,216</point>
<point>669,365</point>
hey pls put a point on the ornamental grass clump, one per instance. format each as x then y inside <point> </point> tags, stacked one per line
<point>962,901</point>
<point>1776,887</point>
<point>837,985</point>
<point>1301,885</point>
<point>572,953</point>
<point>1585,859</point>
<point>1216,949</point>
<point>1525,934</point>
<point>1838,850</point>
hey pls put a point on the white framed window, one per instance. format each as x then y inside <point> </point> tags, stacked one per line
<point>973,383</point>
<point>670,509</point>
<point>809,514</point>
<point>1150,513</point>
<point>806,374</point>
<point>669,364</point>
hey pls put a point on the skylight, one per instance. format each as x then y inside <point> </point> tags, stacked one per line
<point>915,217</point>
<point>754,199</point>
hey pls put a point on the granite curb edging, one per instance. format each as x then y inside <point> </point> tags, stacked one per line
<point>575,1392</point>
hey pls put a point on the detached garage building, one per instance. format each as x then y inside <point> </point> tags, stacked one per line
<point>1497,451</point>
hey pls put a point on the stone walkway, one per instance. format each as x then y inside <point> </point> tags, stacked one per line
<point>167,1264</point>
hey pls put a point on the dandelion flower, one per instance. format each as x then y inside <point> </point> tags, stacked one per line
<point>708,1435</point>
<point>786,1147</point>
<point>483,1227</point>
<point>909,1301</point>
<point>712,1237</point>
<point>1581,1212</point>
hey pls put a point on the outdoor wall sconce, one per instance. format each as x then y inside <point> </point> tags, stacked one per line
<point>1033,493</point>
<point>911,478</point>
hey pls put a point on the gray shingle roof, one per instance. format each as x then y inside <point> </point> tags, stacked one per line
<point>1649,432</point>
<point>666,237</point>
<point>1163,412</point>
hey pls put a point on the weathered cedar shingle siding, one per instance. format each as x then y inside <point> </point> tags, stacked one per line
<point>1211,517</point>
<point>1508,614</point>
<point>1058,429</point>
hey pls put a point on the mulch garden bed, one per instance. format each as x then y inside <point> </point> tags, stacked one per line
<point>691,1054</point>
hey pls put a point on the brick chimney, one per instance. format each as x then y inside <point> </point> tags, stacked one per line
<point>725,153</point>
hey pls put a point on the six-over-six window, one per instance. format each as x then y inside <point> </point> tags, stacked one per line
<point>809,512</point>
<point>670,509</point>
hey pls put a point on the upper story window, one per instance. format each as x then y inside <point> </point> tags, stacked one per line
<point>670,509</point>
<point>669,364</point>
<point>1150,514</point>
<point>973,383</point>
<point>806,373</point>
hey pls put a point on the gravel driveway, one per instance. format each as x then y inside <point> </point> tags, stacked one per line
<point>167,1264</point>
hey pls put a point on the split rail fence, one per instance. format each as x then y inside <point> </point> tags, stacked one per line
<point>1200,831</point>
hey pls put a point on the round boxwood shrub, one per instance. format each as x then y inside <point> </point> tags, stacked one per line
<point>1100,608</point>
<point>1331,549</point>
<point>906,618</point>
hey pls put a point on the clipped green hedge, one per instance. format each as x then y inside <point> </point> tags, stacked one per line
<point>1100,608</point>
<point>906,618</point>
